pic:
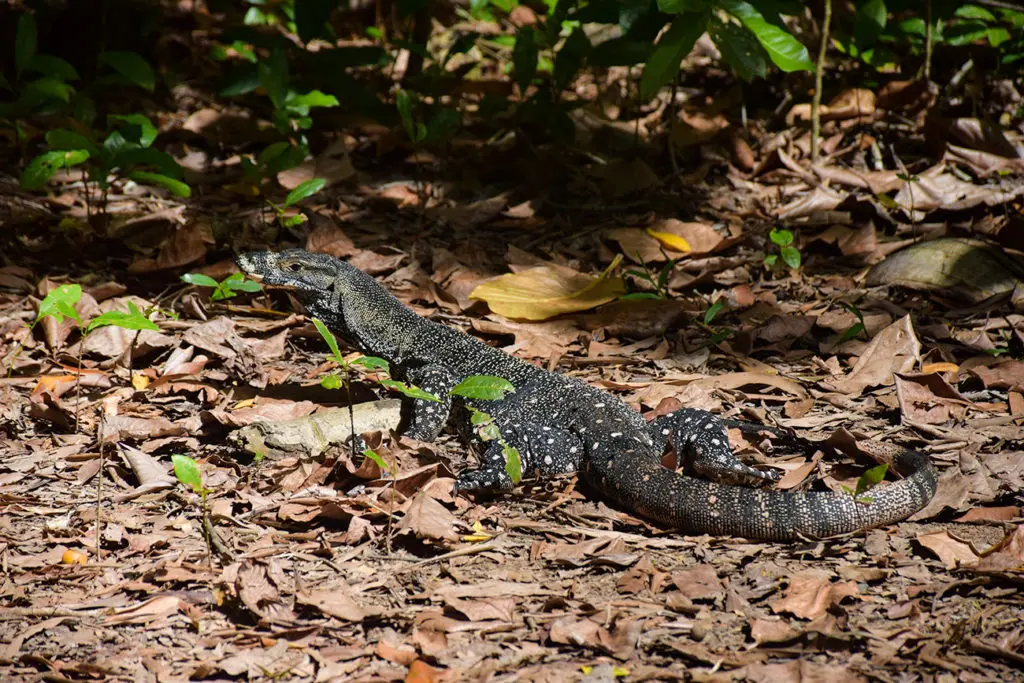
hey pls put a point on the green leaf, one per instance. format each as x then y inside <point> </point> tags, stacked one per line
<point>304,190</point>
<point>997,36</point>
<point>236,282</point>
<point>199,280</point>
<point>175,187</point>
<point>513,463</point>
<point>974,12</point>
<point>770,260</point>
<point>313,98</point>
<point>411,391</point>
<point>680,6</point>
<point>328,336</point>
<point>137,127</point>
<point>48,88</point>
<point>404,103</point>
<point>854,330</point>
<point>132,66</point>
<point>483,388</point>
<point>64,139</point>
<point>781,237</point>
<point>713,310</point>
<point>274,77</point>
<point>54,67</point>
<point>739,48</point>
<point>186,470</point>
<point>42,168</point>
<point>524,56</point>
<point>372,455</point>
<point>787,52</point>
<point>134,319</point>
<point>60,303</point>
<point>25,41</point>
<point>871,478</point>
<point>635,296</point>
<point>331,382</point>
<point>663,64</point>
<point>372,363</point>
<point>791,257</point>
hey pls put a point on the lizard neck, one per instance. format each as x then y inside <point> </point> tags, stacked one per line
<point>366,314</point>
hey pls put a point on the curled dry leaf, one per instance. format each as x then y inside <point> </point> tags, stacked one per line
<point>894,349</point>
<point>547,291</point>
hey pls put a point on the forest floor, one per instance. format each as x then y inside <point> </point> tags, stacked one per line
<point>326,568</point>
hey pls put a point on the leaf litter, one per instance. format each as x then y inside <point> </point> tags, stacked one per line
<point>327,567</point>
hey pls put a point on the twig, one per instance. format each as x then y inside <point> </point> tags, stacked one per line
<point>816,102</point>
<point>461,552</point>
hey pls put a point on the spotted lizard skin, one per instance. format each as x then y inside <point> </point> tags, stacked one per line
<point>560,424</point>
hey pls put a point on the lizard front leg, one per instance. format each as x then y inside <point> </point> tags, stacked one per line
<point>543,449</point>
<point>429,417</point>
<point>701,436</point>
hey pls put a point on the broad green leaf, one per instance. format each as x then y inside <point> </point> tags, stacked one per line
<point>739,48</point>
<point>997,36</point>
<point>134,319</point>
<point>54,67</point>
<point>313,98</point>
<point>974,12</point>
<point>25,42</point>
<point>274,77</point>
<point>787,52</point>
<point>781,237</point>
<point>372,363</point>
<point>791,256</point>
<point>236,282</point>
<point>147,132</point>
<point>713,310</point>
<point>64,139</point>
<point>871,478</point>
<point>60,303</point>
<point>199,280</point>
<point>680,6</point>
<point>172,185</point>
<point>304,190</point>
<point>42,168</point>
<point>186,470</point>
<point>132,66</point>
<point>328,336</point>
<point>372,455</point>
<point>331,382</point>
<point>663,64</point>
<point>50,88</point>
<point>483,388</point>
<point>411,391</point>
<point>513,463</point>
<point>404,103</point>
<point>524,56</point>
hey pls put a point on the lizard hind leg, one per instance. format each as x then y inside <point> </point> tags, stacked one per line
<point>544,449</point>
<point>699,436</point>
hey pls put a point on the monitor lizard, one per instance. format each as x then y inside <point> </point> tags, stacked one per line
<point>560,424</point>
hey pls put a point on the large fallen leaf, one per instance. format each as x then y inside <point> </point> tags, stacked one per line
<point>546,291</point>
<point>894,349</point>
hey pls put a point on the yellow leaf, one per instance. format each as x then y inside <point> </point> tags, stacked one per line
<point>546,291</point>
<point>140,382</point>
<point>670,240</point>
<point>478,535</point>
<point>929,368</point>
<point>246,403</point>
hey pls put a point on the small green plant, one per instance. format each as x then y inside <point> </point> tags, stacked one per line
<point>476,387</point>
<point>304,190</point>
<point>870,479</point>
<point>187,471</point>
<point>789,254</point>
<point>717,335</point>
<point>225,289</point>
<point>857,328</point>
<point>125,152</point>
<point>658,280</point>
<point>58,304</point>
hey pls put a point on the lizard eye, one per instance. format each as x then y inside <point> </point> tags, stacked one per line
<point>294,267</point>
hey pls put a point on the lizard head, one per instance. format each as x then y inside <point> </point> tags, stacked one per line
<point>309,274</point>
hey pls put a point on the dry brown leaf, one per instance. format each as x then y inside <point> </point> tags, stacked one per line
<point>810,595</point>
<point>953,552</point>
<point>894,349</point>
<point>547,291</point>
<point>335,602</point>
<point>428,519</point>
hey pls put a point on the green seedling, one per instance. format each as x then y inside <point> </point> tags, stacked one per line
<point>657,280</point>
<point>790,255</point>
<point>187,471</point>
<point>855,329</point>
<point>717,335</point>
<point>226,288</point>
<point>303,191</point>
<point>490,388</point>
<point>870,479</point>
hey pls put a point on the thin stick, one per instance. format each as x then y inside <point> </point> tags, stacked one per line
<point>816,102</point>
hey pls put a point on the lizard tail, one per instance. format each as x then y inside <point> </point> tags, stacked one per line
<point>699,506</point>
